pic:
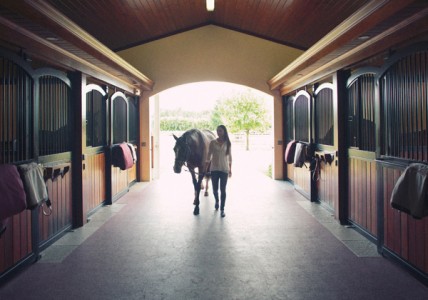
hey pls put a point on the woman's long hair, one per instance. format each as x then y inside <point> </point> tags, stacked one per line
<point>226,138</point>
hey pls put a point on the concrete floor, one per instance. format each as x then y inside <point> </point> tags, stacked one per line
<point>272,244</point>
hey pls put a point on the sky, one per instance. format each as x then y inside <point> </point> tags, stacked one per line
<point>201,96</point>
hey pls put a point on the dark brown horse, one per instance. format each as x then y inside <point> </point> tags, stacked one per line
<point>191,149</point>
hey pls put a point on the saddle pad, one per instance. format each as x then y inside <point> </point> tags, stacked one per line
<point>411,190</point>
<point>122,156</point>
<point>289,152</point>
<point>12,200</point>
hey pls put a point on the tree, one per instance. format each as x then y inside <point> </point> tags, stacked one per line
<point>179,120</point>
<point>242,112</point>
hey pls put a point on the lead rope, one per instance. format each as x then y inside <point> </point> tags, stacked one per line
<point>188,170</point>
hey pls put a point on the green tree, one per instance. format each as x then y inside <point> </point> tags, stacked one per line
<point>242,112</point>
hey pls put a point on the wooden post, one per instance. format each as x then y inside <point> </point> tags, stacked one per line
<point>78,83</point>
<point>144,140</point>
<point>341,113</point>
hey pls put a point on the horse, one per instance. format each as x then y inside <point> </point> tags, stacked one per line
<point>191,149</point>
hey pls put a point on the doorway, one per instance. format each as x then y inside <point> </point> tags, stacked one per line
<point>192,106</point>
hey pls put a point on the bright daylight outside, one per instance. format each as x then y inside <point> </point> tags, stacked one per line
<point>246,112</point>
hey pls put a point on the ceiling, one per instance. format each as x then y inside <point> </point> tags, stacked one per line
<point>126,23</point>
<point>84,35</point>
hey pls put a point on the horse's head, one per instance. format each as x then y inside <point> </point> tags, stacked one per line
<point>182,153</point>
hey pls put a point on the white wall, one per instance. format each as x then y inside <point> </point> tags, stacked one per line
<point>212,53</point>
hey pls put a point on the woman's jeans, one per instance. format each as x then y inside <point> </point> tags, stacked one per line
<point>216,177</point>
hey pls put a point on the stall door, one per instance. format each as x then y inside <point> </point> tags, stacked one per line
<point>325,164</point>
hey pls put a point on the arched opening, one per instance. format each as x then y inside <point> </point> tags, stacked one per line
<point>193,105</point>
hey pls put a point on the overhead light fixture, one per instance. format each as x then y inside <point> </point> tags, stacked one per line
<point>363,37</point>
<point>210,5</point>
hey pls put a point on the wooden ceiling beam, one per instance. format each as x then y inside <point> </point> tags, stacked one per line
<point>356,25</point>
<point>43,14</point>
<point>412,26</point>
<point>47,51</point>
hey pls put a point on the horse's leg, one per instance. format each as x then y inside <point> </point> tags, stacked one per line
<point>197,192</point>
<point>195,183</point>
<point>202,183</point>
<point>197,188</point>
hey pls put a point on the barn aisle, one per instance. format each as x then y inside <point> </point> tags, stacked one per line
<point>272,244</point>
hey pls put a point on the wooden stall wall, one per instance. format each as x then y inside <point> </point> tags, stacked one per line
<point>302,181</point>
<point>123,123</point>
<point>361,143</point>
<point>35,127</point>
<point>403,235</point>
<point>16,242</point>
<point>290,172</point>
<point>119,181</point>
<point>94,164</point>
<point>327,185</point>
<point>94,179</point>
<point>119,134</point>
<point>54,136</point>
<point>52,223</point>
<point>303,134</point>
<point>132,175</point>
<point>386,124</point>
<point>362,194</point>
<point>403,98</point>
<point>326,172</point>
<point>16,87</point>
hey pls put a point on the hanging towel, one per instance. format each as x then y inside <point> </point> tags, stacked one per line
<point>289,152</point>
<point>133,152</point>
<point>410,191</point>
<point>34,184</point>
<point>122,156</point>
<point>300,155</point>
<point>12,199</point>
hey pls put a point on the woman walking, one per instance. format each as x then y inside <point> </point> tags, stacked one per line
<point>220,157</point>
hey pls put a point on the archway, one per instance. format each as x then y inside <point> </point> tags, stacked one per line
<point>178,107</point>
<point>210,53</point>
